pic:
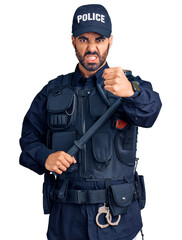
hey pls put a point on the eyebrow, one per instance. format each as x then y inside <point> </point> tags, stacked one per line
<point>82,37</point>
<point>102,37</point>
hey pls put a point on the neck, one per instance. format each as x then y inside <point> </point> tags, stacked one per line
<point>87,73</point>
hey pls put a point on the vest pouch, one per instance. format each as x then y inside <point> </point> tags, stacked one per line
<point>120,197</point>
<point>97,105</point>
<point>63,141</point>
<point>61,110</point>
<point>102,150</point>
<point>140,190</point>
<point>49,181</point>
<point>125,146</point>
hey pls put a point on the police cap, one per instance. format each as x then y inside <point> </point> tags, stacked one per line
<point>91,18</point>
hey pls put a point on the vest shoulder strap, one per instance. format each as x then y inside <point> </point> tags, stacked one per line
<point>55,85</point>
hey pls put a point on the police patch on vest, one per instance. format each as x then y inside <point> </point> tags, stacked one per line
<point>91,17</point>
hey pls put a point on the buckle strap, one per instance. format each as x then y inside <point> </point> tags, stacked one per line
<point>86,196</point>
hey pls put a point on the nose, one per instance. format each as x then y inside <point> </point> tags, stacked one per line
<point>91,47</point>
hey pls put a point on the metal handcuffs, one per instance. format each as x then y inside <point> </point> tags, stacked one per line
<point>105,210</point>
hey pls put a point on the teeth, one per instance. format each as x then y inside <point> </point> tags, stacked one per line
<point>92,58</point>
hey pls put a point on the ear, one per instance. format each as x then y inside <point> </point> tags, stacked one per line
<point>73,41</point>
<point>110,41</point>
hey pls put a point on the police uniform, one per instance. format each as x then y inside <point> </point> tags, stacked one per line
<point>105,172</point>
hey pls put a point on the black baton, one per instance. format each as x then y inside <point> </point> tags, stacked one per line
<point>78,144</point>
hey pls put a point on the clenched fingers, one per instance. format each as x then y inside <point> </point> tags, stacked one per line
<point>109,82</point>
<point>58,171</point>
<point>69,158</point>
<point>59,162</point>
<point>110,73</point>
<point>64,161</point>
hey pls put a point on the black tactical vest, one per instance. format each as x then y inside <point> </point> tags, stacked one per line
<point>111,152</point>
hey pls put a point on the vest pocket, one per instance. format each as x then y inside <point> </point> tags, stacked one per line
<point>120,197</point>
<point>63,141</point>
<point>102,150</point>
<point>97,105</point>
<point>61,110</point>
<point>125,146</point>
<point>140,190</point>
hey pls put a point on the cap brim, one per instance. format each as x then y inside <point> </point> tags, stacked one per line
<point>82,30</point>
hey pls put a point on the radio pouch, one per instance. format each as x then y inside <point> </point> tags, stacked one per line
<point>140,190</point>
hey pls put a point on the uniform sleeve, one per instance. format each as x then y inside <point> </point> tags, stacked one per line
<point>33,138</point>
<point>144,109</point>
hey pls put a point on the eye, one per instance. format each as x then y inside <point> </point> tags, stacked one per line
<point>83,40</point>
<point>101,40</point>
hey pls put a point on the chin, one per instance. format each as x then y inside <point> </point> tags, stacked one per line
<point>91,67</point>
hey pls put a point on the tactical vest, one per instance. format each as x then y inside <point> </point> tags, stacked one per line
<point>111,152</point>
<point>109,157</point>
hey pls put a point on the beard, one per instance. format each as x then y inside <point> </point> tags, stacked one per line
<point>91,66</point>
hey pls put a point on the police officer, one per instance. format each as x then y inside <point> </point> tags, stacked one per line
<point>96,194</point>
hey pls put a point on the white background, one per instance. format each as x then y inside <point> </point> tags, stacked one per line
<point>36,47</point>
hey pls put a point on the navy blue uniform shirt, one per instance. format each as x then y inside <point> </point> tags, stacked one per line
<point>78,221</point>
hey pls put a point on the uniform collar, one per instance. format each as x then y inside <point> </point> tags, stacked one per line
<point>80,79</point>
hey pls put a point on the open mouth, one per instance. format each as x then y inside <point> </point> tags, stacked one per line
<point>91,58</point>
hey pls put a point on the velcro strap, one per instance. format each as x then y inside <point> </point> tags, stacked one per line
<point>86,196</point>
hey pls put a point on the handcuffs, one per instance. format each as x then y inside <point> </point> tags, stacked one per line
<point>105,210</point>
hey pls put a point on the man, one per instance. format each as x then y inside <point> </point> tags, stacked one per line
<point>96,193</point>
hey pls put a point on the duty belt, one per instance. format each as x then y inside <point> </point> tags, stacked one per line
<point>86,196</point>
<point>81,196</point>
<point>75,196</point>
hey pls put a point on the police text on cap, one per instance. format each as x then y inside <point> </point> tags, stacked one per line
<point>91,17</point>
